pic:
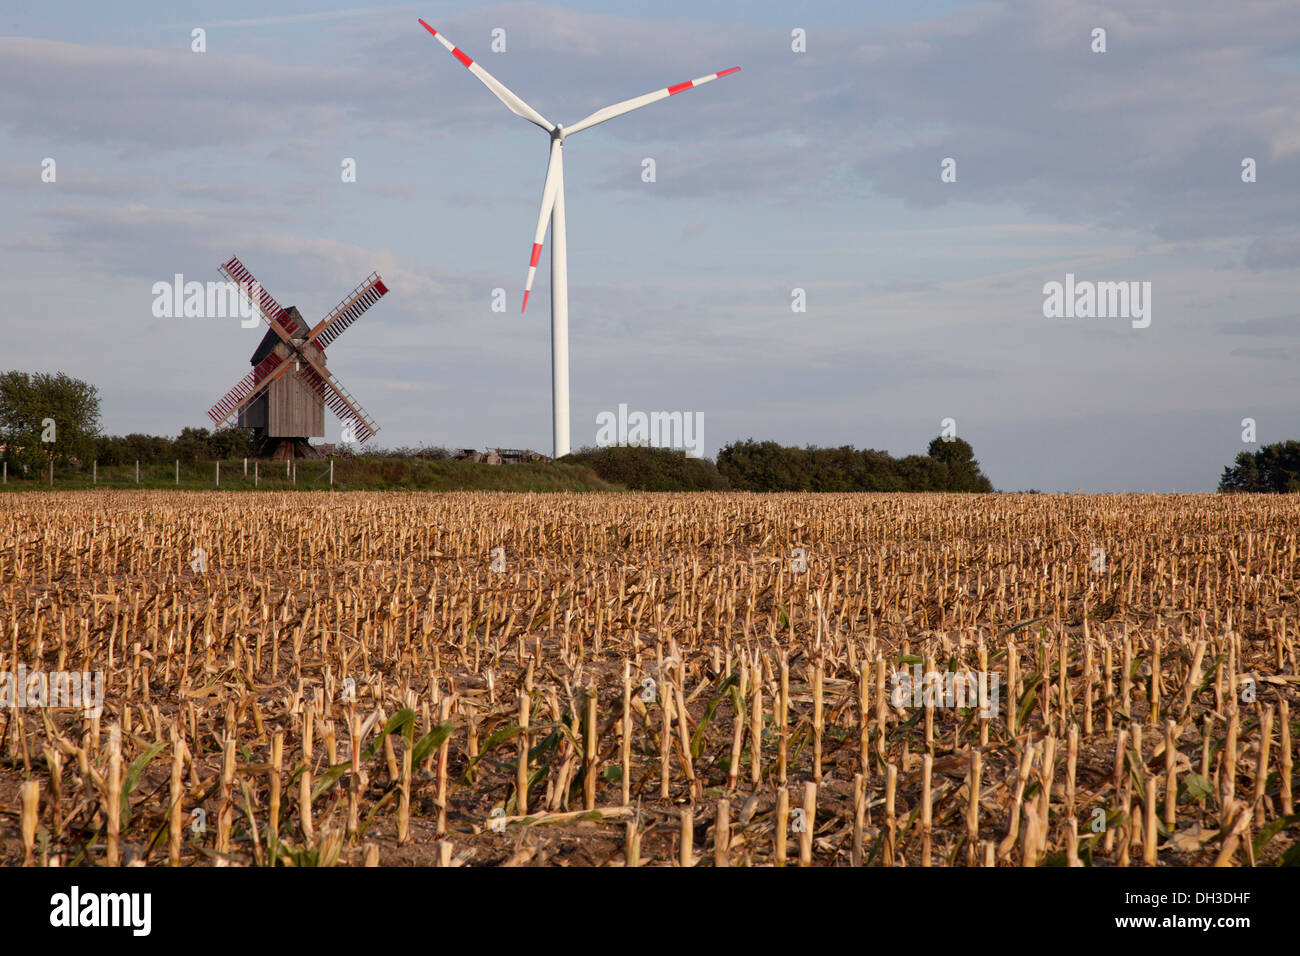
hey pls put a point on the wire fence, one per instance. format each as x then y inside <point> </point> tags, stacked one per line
<point>232,474</point>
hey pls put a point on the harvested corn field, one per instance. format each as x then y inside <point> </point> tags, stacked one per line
<point>656,680</point>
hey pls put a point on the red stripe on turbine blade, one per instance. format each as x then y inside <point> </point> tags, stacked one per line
<point>462,57</point>
<point>525,306</point>
<point>537,251</point>
<point>427,27</point>
<point>674,90</point>
<point>734,69</point>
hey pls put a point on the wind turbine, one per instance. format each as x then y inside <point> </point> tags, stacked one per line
<point>553,214</point>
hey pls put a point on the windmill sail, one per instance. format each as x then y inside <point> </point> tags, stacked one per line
<point>248,388</point>
<point>349,310</point>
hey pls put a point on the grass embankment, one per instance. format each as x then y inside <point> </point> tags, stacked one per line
<point>360,474</point>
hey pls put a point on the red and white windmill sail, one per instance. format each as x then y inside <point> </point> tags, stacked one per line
<point>552,215</point>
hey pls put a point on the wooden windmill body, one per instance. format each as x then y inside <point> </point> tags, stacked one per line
<point>289,411</point>
<point>283,398</point>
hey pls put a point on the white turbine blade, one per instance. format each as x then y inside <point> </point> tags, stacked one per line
<point>513,102</point>
<point>544,217</point>
<point>618,109</point>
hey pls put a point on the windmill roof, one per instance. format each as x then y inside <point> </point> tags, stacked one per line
<point>270,339</point>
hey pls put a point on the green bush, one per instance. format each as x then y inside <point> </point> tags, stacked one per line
<point>639,468</point>
<point>192,445</point>
<point>766,466</point>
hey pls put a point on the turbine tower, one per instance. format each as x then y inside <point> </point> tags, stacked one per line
<point>553,214</point>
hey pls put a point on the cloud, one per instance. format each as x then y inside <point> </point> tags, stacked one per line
<point>1147,136</point>
<point>1266,354</point>
<point>27,179</point>
<point>1288,325</point>
<point>154,100</point>
<point>309,17</point>
<point>1273,252</point>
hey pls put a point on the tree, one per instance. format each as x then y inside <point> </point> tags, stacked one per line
<point>231,443</point>
<point>766,466</point>
<point>963,470</point>
<point>44,417</point>
<point>1274,468</point>
<point>192,444</point>
<point>1242,475</point>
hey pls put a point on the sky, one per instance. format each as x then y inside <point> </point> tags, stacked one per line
<point>818,169</point>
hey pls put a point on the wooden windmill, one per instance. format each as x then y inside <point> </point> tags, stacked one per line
<point>283,398</point>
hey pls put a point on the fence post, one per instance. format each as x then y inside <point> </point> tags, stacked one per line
<point>6,480</point>
<point>94,473</point>
<point>294,473</point>
<point>137,471</point>
<point>246,467</point>
<point>178,471</point>
<point>331,472</point>
<point>218,474</point>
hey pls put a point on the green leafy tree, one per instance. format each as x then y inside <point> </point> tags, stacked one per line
<point>231,443</point>
<point>28,405</point>
<point>766,466</point>
<point>1274,468</point>
<point>959,458</point>
<point>1242,475</point>
<point>192,444</point>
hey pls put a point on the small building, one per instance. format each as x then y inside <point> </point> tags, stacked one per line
<point>500,456</point>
